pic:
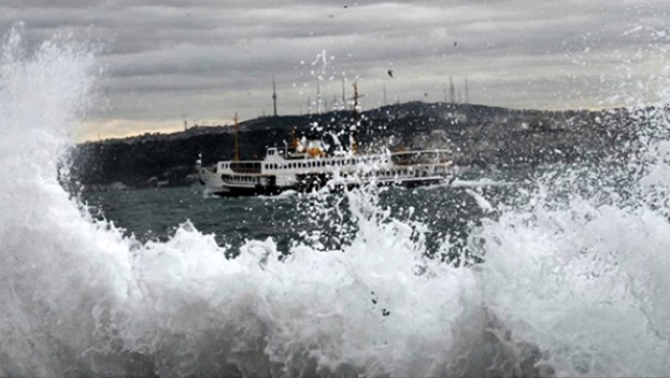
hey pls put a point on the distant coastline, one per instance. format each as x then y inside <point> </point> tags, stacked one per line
<point>479,135</point>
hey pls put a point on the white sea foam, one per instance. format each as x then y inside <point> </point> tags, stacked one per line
<point>576,288</point>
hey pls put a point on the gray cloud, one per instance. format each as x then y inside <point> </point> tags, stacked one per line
<point>211,58</point>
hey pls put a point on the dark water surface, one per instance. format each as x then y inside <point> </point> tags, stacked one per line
<point>446,211</point>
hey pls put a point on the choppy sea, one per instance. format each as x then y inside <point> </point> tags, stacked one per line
<point>524,271</point>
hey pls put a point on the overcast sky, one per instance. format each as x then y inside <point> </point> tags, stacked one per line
<point>207,59</point>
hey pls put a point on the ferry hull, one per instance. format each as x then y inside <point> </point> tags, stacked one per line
<point>216,187</point>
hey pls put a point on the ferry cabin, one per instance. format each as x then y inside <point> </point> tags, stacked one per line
<point>281,170</point>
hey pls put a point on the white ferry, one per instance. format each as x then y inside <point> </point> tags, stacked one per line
<point>306,167</point>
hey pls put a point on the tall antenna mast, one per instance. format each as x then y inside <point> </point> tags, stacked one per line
<point>452,91</point>
<point>467,93</point>
<point>237,139</point>
<point>274,95</point>
<point>356,102</point>
<point>344,100</point>
<point>318,97</point>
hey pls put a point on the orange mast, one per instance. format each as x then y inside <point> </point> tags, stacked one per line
<point>237,141</point>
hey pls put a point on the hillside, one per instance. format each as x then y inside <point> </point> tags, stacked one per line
<point>478,135</point>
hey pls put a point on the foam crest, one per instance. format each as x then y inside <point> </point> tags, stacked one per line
<point>57,263</point>
<point>583,281</point>
<point>377,307</point>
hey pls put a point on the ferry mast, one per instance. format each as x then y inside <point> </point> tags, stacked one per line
<point>237,138</point>
<point>354,131</point>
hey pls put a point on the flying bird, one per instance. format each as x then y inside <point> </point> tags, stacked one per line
<point>390,72</point>
<point>455,43</point>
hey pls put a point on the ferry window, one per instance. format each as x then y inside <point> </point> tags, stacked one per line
<point>271,152</point>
